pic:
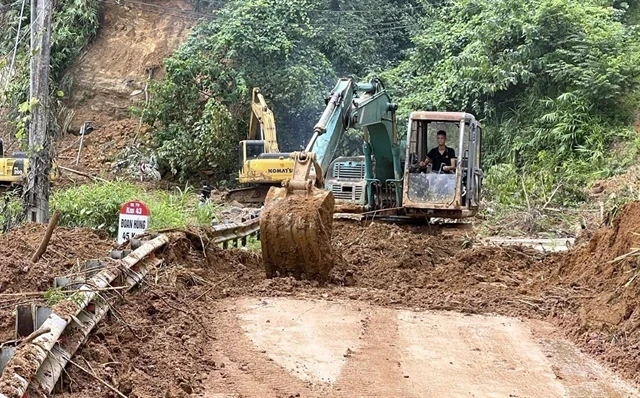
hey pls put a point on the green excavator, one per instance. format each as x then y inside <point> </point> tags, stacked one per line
<point>387,181</point>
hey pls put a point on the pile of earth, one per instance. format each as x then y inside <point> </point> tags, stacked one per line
<point>602,274</point>
<point>100,149</point>
<point>158,342</point>
<point>23,282</point>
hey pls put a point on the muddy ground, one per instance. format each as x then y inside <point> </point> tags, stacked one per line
<point>179,333</point>
<point>23,282</point>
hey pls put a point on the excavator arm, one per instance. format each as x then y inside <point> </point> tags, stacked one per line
<point>262,125</point>
<point>296,221</point>
<point>363,106</point>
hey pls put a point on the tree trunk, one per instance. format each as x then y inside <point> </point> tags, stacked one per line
<point>37,192</point>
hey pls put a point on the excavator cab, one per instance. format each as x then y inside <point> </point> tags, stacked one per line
<point>434,192</point>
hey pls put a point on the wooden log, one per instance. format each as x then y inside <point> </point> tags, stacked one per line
<point>28,358</point>
<point>82,174</point>
<point>47,237</point>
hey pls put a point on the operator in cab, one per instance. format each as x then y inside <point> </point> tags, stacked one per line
<point>442,158</point>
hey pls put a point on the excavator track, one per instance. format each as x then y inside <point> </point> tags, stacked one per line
<point>250,195</point>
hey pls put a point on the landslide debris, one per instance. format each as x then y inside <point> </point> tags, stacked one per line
<point>602,273</point>
<point>68,249</point>
<point>155,345</point>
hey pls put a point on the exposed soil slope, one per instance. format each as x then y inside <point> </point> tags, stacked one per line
<point>109,78</point>
<point>604,276</point>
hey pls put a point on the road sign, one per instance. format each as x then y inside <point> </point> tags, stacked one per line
<point>134,219</point>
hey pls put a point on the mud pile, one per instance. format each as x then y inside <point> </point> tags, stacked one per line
<point>67,251</point>
<point>99,148</point>
<point>158,343</point>
<point>155,345</point>
<point>602,275</point>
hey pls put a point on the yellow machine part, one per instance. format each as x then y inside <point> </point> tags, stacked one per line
<point>296,225</point>
<point>266,171</point>
<point>14,170</point>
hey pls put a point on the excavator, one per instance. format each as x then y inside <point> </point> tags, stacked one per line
<point>262,164</point>
<point>386,182</point>
<point>13,170</point>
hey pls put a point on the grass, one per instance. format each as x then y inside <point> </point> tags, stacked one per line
<point>97,205</point>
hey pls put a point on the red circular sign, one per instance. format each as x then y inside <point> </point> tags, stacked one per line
<point>134,208</point>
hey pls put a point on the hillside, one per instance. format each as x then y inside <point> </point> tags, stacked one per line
<point>111,74</point>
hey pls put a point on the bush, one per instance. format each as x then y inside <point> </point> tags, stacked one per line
<point>98,206</point>
<point>11,211</point>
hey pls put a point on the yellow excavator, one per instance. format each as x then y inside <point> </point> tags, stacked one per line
<point>386,183</point>
<point>13,170</point>
<point>263,166</point>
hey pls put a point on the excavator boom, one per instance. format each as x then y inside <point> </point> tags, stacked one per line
<point>262,125</point>
<point>296,221</point>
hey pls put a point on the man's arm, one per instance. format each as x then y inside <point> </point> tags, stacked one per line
<point>427,159</point>
<point>452,165</point>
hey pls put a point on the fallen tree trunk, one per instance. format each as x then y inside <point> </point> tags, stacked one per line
<point>28,358</point>
<point>47,237</point>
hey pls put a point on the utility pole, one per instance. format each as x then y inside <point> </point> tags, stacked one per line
<point>37,193</point>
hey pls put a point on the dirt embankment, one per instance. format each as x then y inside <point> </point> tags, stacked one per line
<point>603,275</point>
<point>110,77</point>
<point>65,255</point>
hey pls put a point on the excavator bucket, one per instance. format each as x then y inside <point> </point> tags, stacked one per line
<point>296,227</point>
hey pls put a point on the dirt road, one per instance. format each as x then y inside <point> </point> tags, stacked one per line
<point>283,347</point>
<point>215,327</point>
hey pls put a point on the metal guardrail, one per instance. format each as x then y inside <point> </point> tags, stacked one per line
<point>237,233</point>
<point>41,356</point>
<point>59,337</point>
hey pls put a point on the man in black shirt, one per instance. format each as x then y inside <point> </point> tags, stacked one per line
<point>441,157</point>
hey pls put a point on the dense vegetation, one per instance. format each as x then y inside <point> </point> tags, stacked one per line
<point>555,82</point>
<point>75,23</point>
<point>292,49</point>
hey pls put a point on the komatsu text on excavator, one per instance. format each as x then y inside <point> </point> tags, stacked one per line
<point>386,182</point>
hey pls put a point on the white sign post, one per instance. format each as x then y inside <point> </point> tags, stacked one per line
<point>134,219</point>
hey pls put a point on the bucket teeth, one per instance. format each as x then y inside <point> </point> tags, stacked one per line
<point>295,234</point>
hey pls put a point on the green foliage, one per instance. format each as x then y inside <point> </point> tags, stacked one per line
<point>205,147</point>
<point>294,50</point>
<point>253,244</point>
<point>54,295</point>
<point>553,80</point>
<point>98,205</point>
<point>11,211</point>
<point>75,23</point>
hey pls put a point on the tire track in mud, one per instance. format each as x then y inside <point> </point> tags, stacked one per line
<point>248,371</point>
<point>375,369</point>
